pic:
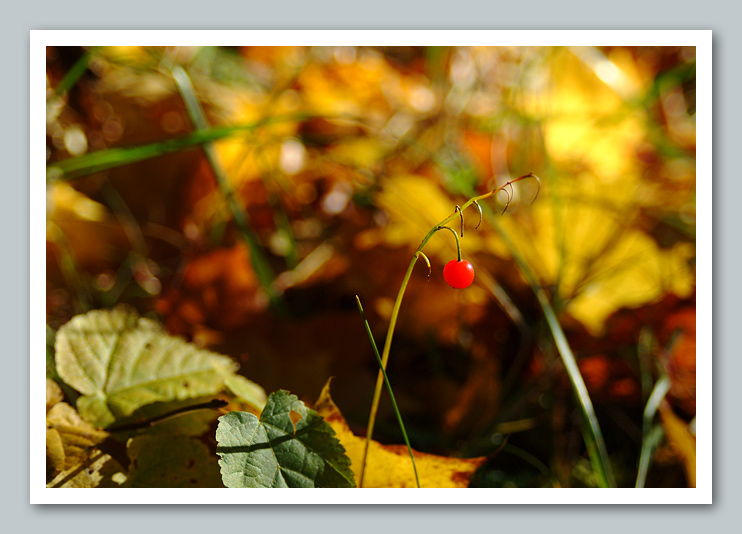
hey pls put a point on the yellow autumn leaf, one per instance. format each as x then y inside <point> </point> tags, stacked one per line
<point>587,119</point>
<point>389,466</point>
<point>53,394</point>
<point>585,235</point>
<point>352,89</point>
<point>98,470</point>
<point>414,204</point>
<point>69,437</point>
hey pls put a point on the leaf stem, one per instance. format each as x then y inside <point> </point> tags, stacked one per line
<point>458,243</point>
<point>136,425</point>
<point>389,388</point>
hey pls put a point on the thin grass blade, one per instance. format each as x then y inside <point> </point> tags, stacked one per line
<point>389,388</point>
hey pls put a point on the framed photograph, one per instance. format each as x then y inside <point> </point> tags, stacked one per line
<point>438,267</point>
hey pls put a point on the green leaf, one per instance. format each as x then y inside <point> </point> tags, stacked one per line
<point>121,362</point>
<point>281,451</point>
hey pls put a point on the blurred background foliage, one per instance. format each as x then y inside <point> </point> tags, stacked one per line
<point>323,170</point>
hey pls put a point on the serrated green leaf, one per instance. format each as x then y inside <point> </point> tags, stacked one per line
<point>121,362</point>
<point>167,461</point>
<point>281,451</point>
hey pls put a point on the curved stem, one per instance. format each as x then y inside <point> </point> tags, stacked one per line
<point>384,360</point>
<point>398,304</point>
<point>458,243</point>
<point>461,214</point>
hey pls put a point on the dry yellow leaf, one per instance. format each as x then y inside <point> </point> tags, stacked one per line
<point>53,394</point>
<point>389,466</point>
<point>98,470</point>
<point>69,437</point>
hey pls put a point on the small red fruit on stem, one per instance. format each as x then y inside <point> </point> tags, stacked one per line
<point>459,274</point>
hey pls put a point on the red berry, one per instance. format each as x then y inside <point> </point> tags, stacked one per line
<point>458,273</point>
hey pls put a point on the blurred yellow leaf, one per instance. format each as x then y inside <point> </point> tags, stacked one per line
<point>681,440</point>
<point>584,235</point>
<point>414,205</point>
<point>358,152</point>
<point>389,466</point>
<point>587,120</point>
<point>353,89</point>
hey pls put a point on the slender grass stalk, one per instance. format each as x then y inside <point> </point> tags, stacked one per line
<point>398,303</point>
<point>650,438</point>
<point>241,218</point>
<point>389,388</point>
<point>590,427</point>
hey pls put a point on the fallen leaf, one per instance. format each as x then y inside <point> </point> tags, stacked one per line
<point>99,470</point>
<point>171,461</point>
<point>389,466</point>
<point>121,362</point>
<point>69,437</point>
<point>53,394</point>
<point>289,446</point>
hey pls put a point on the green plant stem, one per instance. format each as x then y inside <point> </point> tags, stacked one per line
<point>458,243</point>
<point>395,313</point>
<point>389,388</point>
